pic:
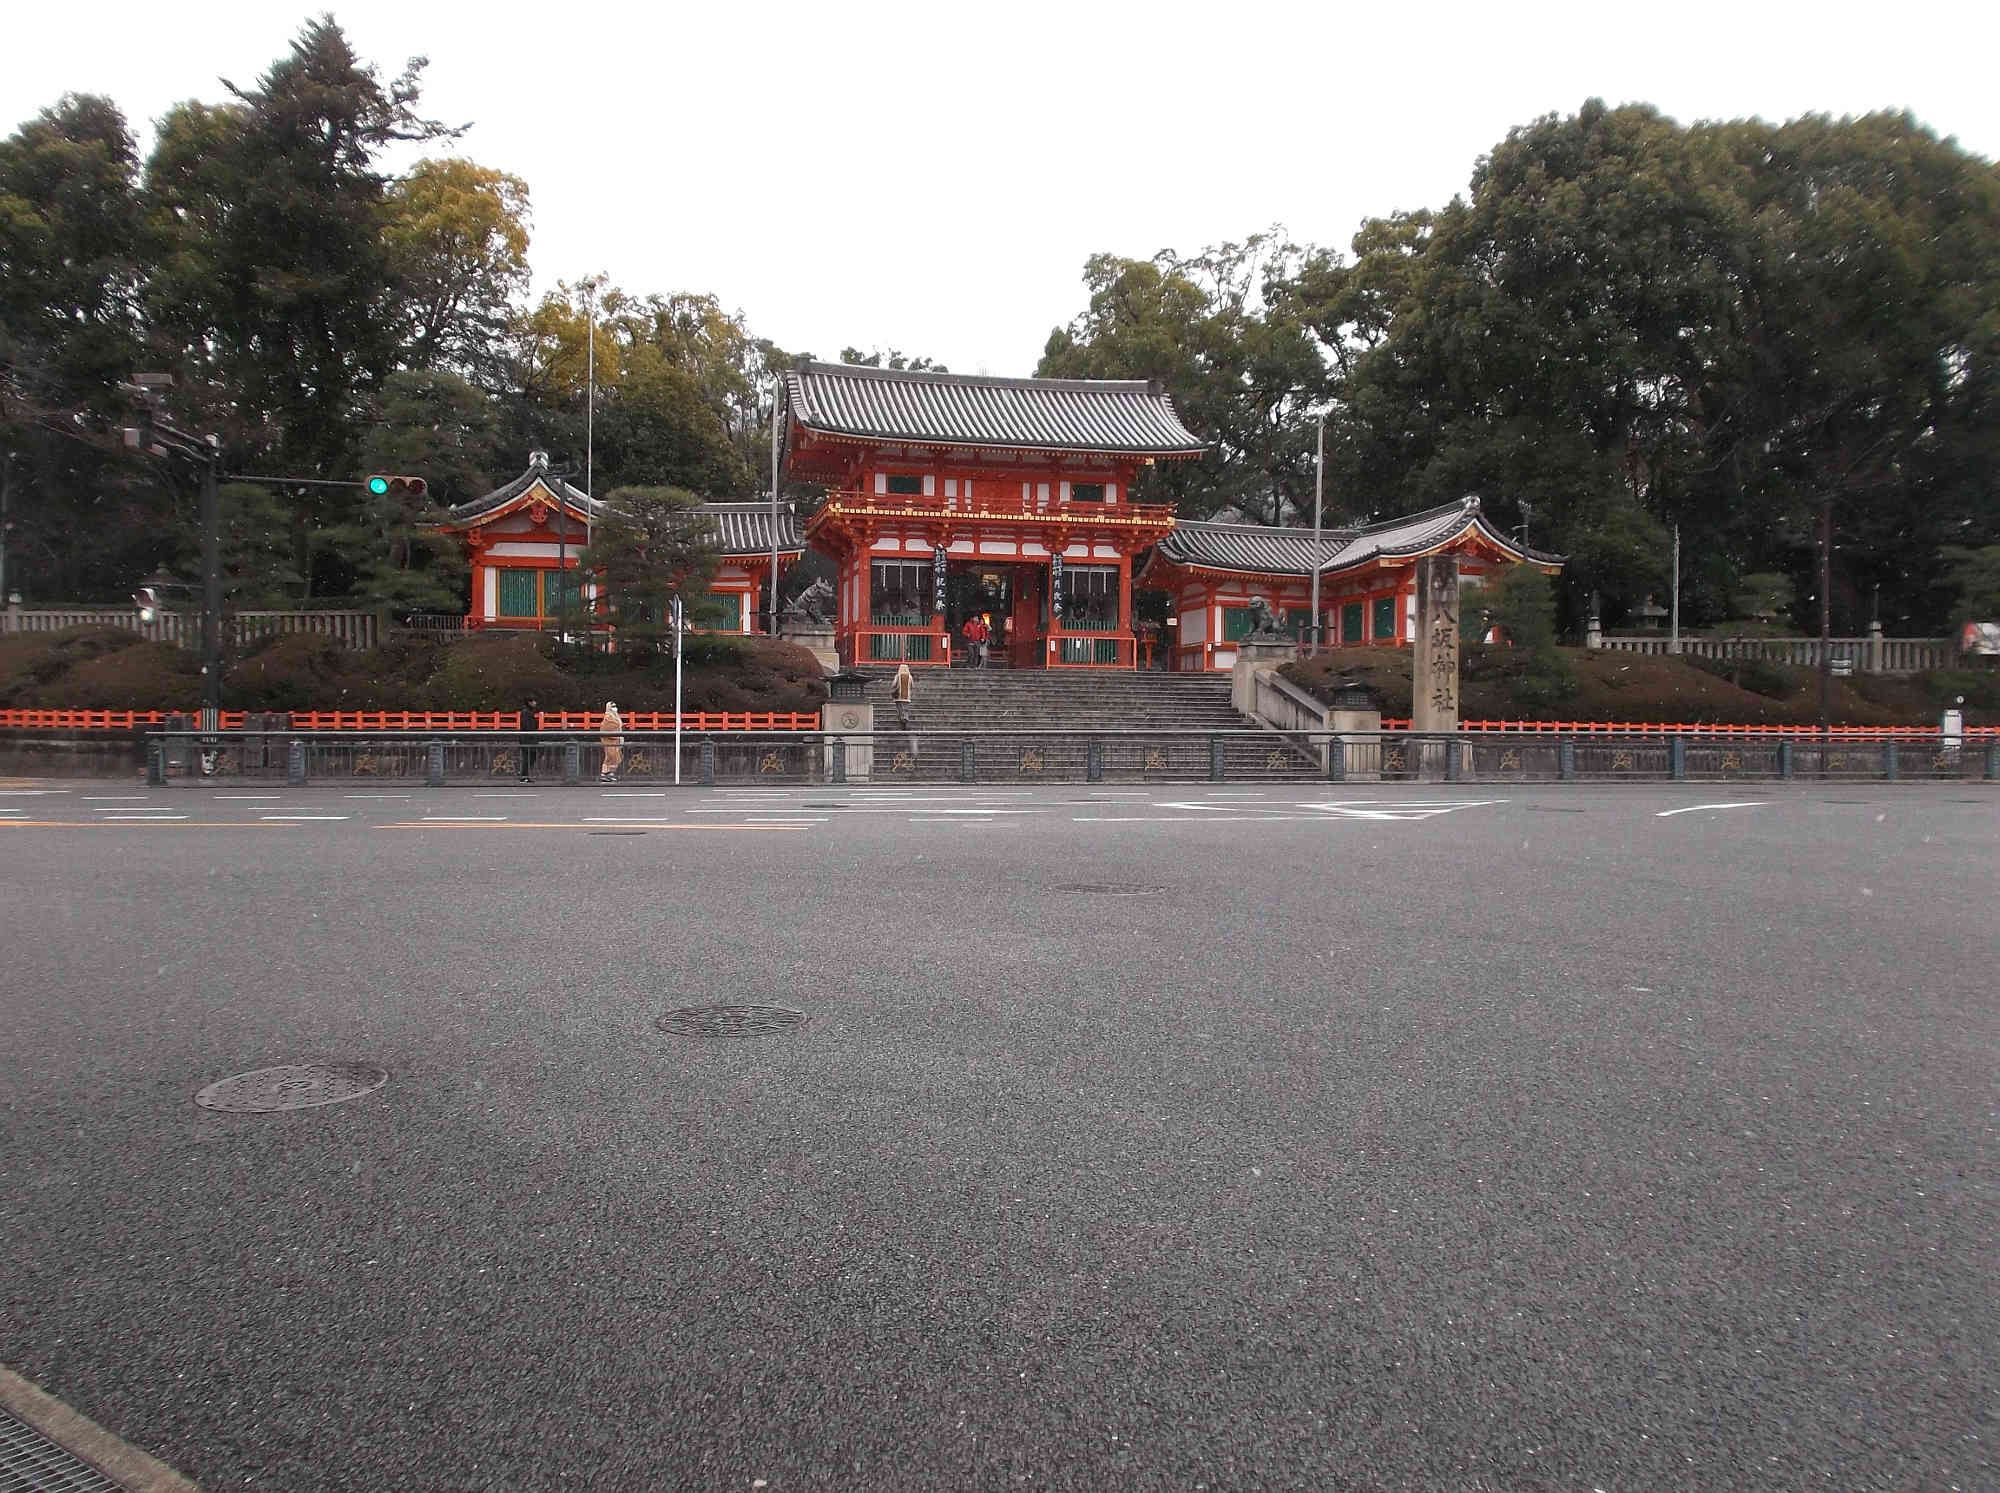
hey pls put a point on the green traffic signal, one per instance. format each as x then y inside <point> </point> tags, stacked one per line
<point>378,485</point>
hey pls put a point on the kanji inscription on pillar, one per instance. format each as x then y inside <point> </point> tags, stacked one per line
<point>1434,696</point>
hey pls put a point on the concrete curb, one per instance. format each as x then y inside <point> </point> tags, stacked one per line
<point>125,1465</point>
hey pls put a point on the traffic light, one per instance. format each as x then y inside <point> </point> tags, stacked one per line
<point>384,485</point>
<point>147,600</point>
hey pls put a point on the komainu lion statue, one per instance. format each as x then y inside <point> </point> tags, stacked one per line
<point>1263,620</point>
<point>810,604</point>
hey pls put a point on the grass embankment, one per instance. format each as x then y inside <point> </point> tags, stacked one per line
<point>106,668</point>
<point>1647,688</point>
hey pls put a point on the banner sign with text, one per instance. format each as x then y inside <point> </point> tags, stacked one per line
<point>937,579</point>
<point>1056,587</point>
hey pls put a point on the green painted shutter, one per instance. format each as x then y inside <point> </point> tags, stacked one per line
<point>1385,618</point>
<point>517,593</point>
<point>1350,622</point>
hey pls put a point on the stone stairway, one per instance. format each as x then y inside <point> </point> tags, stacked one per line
<point>1070,700</point>
<point>1059,700</point>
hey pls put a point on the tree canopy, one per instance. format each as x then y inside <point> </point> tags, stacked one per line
<point>1625,325</point>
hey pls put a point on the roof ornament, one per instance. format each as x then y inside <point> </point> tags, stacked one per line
<point>538,461</point>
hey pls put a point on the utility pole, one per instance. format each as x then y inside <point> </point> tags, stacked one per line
<point>156,437</point>
<point>777,404</point>
<point>1825,605</point>
<point>6,489</point>
<point>1319,498</point>
<point>211,585</point>
<point>677,619</point>
<point>1674,639</point>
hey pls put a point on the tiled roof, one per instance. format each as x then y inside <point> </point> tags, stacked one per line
<point>745,528</point>
<point>1246,547</point>
<point>1255,550</point>
<point>1042,414</point>
<point>474,509</point>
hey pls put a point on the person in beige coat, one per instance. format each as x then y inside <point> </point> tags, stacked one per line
<point>905,688</point>
<point>612,735</point>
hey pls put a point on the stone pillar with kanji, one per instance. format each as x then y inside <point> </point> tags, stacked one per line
<point>1434,693</point>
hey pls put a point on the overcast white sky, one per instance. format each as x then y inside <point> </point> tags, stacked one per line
<point>932,176</point>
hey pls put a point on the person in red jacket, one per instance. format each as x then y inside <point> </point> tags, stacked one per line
<point>976,634</point>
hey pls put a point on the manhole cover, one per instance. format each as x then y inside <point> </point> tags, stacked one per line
<point>1109,888</point>
<point>294,1086</point>
<point>729,1021</point>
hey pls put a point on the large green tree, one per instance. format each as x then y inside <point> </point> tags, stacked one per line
<point>1627,324</point>
<point>438,426</point>
<point>650,545</point>
<point>674,386</point>
<point>1244,373</point>
<point>277,294</point>
<point>457,234</point>
<point>81,516</point>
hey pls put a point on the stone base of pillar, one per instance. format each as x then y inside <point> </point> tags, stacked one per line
<point>845,716</point>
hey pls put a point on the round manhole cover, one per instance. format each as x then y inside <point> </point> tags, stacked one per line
<point>729,1021</point>
<point>293,1086</point>
<point>1109,888</point>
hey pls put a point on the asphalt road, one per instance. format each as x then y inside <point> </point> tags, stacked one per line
<point>1133,1138</point>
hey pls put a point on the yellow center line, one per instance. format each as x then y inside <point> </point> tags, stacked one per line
<point>531,824</point>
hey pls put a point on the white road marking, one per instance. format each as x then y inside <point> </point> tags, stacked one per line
<point>1205,808</point>
<point>141,818</point>
<point>465,818</point>
<point>661,794</point>
<point>500,795</point>
<point>113,798</point>
<point>1696,808</point>
<point>258,798</point>
<point>1143,819</point>
<point>1197,819</point>
<point>888,808</point>
<point>33,792</point>
<point>378,795</point>
<point>1386,809</point>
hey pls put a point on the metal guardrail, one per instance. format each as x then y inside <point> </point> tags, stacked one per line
<point>1030,756</point>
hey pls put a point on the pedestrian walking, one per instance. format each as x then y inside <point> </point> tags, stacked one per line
<point>976,634</point>
<point>905,687</point>
<point>531,722</point>
<point>611,734</point>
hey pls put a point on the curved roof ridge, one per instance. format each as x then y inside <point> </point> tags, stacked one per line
<point>1095,416</point>
<point>1467,504</point>
<point>988,380</point>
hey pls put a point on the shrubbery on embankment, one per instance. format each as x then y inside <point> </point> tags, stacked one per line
<point>111,669</point>
<point>1499,683</point>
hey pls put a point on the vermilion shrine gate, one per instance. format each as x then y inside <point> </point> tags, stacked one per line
<point>951,496</point>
